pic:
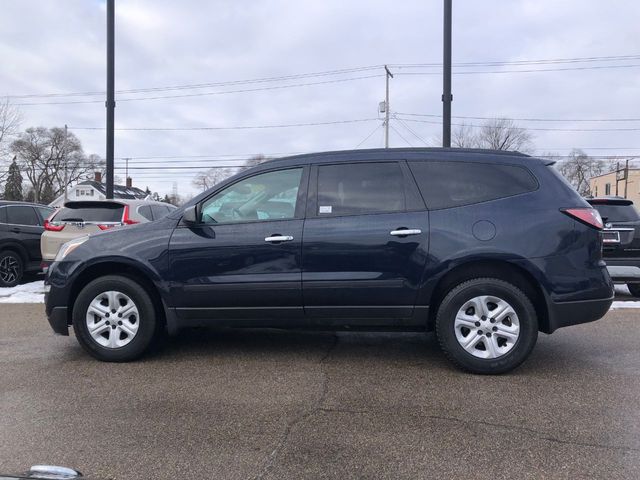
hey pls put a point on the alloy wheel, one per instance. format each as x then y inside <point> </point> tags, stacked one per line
<point>112,319</point>
<point>9,269</point>
<point>487,327</point>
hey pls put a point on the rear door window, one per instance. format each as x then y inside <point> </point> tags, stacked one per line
<point>360,188</point>
<point>3,214</point>
<point>91,212</point>
<point>22,215</point>
<point>453,184</point>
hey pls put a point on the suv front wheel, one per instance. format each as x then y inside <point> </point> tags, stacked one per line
<point>486,326</point>
<point>114,319</point>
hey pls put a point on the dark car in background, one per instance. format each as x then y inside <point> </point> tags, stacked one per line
<point>21,224</point>
<point>486,248</point>
<point>621,237</point>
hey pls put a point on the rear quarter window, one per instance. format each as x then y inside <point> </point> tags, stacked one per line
<point>454,184</point>
<point>145,211</point>
<point>3,214</point>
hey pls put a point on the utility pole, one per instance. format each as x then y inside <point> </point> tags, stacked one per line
<point>626,177</point>
<point>111,103</point>
<point>446,77</point>
<point>66,160</point>
<point>126,169</point>
<point>386,108</point>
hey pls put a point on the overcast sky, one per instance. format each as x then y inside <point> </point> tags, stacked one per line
<point>58,46</point>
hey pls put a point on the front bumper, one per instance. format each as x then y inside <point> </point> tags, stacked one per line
<point>57,295</point>
<point>58,319</point>
<point>565,314</point>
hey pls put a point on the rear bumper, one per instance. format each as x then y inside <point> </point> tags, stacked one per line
<point>623,270</point>
<point>565,314</point>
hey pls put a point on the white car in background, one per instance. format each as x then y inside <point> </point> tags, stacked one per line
<point>80,218</point>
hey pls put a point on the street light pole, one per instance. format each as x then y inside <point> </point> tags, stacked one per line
<point>111,104</point>
<point>446,77</point>
<point>386,108</point>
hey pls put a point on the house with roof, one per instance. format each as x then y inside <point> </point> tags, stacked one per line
<point>96,190</point>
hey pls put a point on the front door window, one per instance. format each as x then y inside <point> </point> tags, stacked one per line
<point>267,196</point>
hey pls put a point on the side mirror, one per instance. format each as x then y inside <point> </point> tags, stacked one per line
<point>190,216</point>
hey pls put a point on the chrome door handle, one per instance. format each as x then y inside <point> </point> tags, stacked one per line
<point>279,238</point>
<point>405,232</point>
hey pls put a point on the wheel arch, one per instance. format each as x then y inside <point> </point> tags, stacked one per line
<point>500,269</point>
<point>16,248</point>
<point>124,268</point>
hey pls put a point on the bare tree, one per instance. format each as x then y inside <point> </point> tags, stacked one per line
<point>207,179</point>
<point>10,119</point>
<point>495,134</point>
<point>43,153</point>
<point>578,168</point>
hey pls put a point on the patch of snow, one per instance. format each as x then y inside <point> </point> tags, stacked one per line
<point>629,304</point>
<point>32,292</point>
<point>622,290</point>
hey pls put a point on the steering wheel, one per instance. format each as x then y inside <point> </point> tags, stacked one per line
<point>236,214</point>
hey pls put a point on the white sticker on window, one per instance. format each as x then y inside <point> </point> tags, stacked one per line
<point>325,209</point>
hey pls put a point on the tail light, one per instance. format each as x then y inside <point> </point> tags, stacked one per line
<point>588,216</point>
<point>49,226</point>
<point>105,227</point>
<point>125,217</point>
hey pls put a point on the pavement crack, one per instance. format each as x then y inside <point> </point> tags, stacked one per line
<point>303,415</point>
<point>536,433</point>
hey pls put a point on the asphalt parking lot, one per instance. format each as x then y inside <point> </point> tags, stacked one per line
<point>270,404</point>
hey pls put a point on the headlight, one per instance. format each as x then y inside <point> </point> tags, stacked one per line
<point>69,247</point>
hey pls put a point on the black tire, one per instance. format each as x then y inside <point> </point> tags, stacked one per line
<point>147,319</point>
<point>634,289</point>
<point>11,268</point>
<point>464,292</point>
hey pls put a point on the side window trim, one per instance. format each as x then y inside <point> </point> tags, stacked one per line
<point>300,199</point>
<point>312,205</point>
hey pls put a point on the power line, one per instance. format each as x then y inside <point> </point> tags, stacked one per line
<point>235,127</point>
<point>534,70</point>
<point>542,61</point>
<point>474,125</point>
<point>400,135</point>
<point>434,115</point>
<point>368,136</point>
<point>203,94</point>
<point>410,130</point>
<point>342,71</point>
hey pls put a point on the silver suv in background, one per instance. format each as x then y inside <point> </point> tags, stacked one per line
<point>80,218</point>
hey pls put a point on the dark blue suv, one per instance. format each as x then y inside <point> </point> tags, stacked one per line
<point>486,248</point>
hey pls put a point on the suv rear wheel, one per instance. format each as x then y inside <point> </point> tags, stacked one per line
<point>486,326</point>
<point>11,268</point>
<point>114,319</point>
